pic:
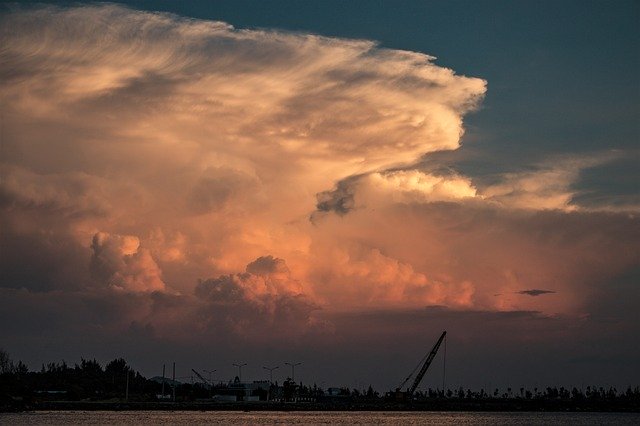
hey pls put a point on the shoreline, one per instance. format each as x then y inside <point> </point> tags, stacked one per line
<point>453,406</point>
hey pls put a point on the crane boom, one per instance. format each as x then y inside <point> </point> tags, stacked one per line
<point>205,381</point>
<point>426,365</point>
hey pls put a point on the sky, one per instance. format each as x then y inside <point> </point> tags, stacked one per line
<point>332,183</point>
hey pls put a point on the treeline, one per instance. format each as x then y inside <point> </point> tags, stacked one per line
<point>591,393</point>
<point>86,380</point>
<point>117,381</point>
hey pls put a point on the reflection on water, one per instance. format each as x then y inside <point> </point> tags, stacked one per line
<point>312,418</point>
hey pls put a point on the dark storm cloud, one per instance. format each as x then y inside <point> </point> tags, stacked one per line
<point>535,292</point>
<point>266,265</point>
<point>64,195</point>
<point>222,290</point>
<point>43,260</point>
<point>339,200</point>
<point>484,348</point>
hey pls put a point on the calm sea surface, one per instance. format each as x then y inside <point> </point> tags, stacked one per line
<point>312,418</point>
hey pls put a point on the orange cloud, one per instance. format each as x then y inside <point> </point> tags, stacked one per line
<point>166,150</point>
<point>119,262</point>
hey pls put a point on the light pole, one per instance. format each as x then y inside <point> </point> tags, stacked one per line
<point>271,372</point>
<point>126,395</point>
<point>293,369</point>
<point>240,369</point>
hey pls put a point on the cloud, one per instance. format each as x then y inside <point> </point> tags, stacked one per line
<point>66,194</point>
<point>551,185</point>
<point>258,94</point>
<point>119,262</point>
<point>535,292</point>
<point>400,186</point>
<point>265,298</point>
<point>268,276</point>
<point>471,249</point>
<point>206,142</point>
<point>217,188</point>
<point>356,276</point>
<point>192,149</point>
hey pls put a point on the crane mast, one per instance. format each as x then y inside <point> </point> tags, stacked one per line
<point>205,381</point>
<point>426,365</point>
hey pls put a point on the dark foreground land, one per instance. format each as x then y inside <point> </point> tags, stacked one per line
<point>435,405</point>
<point>89,386</point>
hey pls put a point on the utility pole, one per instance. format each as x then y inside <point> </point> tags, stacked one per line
<point>293,369</point>
<point>240,370</point>
<point>271,372</point>
<point>173,384</point>
<point>126,392</point>
<point>163,365</point>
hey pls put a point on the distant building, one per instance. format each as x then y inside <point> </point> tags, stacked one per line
<point>257,390</point>
<point>334,391</point>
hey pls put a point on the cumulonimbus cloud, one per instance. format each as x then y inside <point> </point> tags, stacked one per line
<point>166,150</point>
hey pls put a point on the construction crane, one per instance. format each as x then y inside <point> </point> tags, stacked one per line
<point>429,358</point>
<point>205,381</point>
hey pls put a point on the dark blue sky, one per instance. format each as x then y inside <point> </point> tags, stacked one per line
<point>562,75</point>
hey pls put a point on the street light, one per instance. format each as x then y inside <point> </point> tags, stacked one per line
<point>271,372</point>
<point>293,369</point>
<point>240,369</point>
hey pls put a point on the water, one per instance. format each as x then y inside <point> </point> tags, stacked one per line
<point>312,418</point>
